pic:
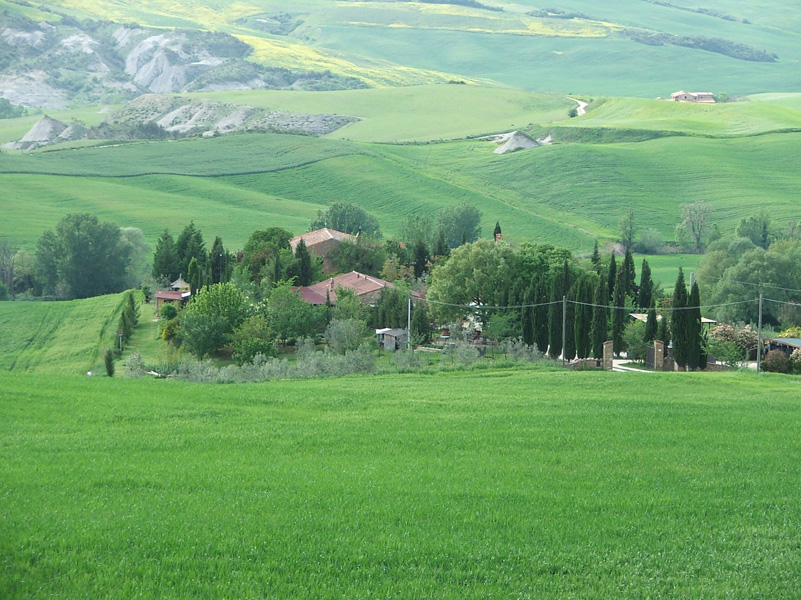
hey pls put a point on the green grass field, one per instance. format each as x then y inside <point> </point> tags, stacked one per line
<point>524,483</point>
<point>763,115</point>
<point>567,194</point>
<point>415,113</point>
<point>57,337</point>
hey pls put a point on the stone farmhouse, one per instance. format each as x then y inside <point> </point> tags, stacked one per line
<point>366,288</point>
<point>702,97</point>
<point>322,243</point>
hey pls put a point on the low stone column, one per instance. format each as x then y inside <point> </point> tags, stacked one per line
<point>609,354</point>
<point>659,355</point>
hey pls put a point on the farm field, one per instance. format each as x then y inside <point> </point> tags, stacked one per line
<point>514,483</point>
<point>57,337</point>
<point>568,194</point>
<point>665,267</point>
<point>415,113</point>
<point>762,115</point>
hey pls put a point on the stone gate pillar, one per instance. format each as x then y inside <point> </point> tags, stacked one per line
<point>659,355</point>
<point>609,354</point>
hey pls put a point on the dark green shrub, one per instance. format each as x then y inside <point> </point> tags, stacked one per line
<point>168,311</point>
<point>108,359</point>
<point>776,361</point>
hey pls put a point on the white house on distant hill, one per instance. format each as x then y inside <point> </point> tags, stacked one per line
<point>702,97</point>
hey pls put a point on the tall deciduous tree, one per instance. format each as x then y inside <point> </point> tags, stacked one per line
<point>348,218</point>
<point>628,229</point>
<point>476,274</point>
<point>83,257</point>
<point>460,224</point>
<point>694,221</point>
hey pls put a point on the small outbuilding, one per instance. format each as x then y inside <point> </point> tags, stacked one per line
<point>177,297</point>
<point>391,339</point>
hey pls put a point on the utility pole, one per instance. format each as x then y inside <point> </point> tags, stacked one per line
<point>409,323</point>
<point>564,328</point>
<point>759,336</point>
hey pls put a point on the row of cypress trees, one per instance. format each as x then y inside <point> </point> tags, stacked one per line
<point>589,318</point>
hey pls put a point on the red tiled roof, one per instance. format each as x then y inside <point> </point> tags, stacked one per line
<point>359,283</point>
<point>320,235</point>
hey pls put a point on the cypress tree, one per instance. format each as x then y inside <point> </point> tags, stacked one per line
<point>217,260</point>
<point>132,308</point>
<point>631,275</point>
<point>694,328</point>
<point>497,232</point>
<point>527,328</point>
<point>165,258</point>
<point>678,322</point>
<point>600,318</point>
<point>569,350</point>
<point>441,246</point>
<point>108,359</point>
<point>651,325</point>
<point>541,313</point>
<point>611,277</point>
<point>646,292</point>
<point>193,276</point>
<point>663,332</point>
<point>277,267</point>
<point>190,245</point>
<point>559,287</point>
<point>619,312</point>
<point>305,273</point>
<point>596,258</point>
<point>421,324</point>
<point>420,258</point>
<point>583,315</point>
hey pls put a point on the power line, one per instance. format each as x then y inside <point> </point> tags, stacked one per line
<point>575,302</point>
<point>759,285</point>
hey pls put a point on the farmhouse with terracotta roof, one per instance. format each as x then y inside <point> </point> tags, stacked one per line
<point>365,287</point>
<point>322,243</point>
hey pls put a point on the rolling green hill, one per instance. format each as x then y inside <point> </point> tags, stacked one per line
<point>57,337</point>
<point>567,194</point>
<point>486,484</point>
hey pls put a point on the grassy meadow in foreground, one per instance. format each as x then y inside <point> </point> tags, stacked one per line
<point>517,483</point>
